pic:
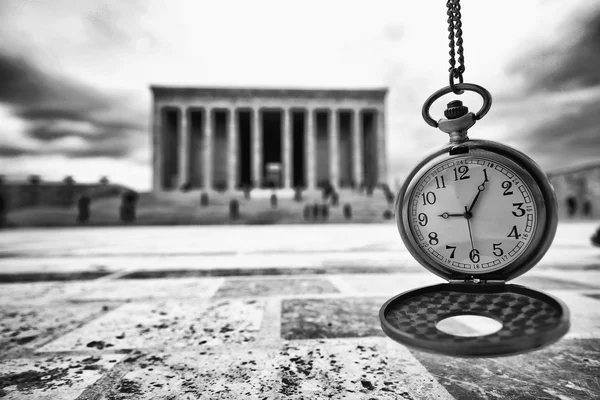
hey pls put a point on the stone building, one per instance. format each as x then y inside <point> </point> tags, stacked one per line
<point>578,191</point>
<point>18,192</point>
<point>230,138</point>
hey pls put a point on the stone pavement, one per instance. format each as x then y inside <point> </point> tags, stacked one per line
<point>260,312</point>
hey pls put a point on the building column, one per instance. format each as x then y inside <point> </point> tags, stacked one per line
<point>286,130</point>
<point>334,149</point>
<point>381,147</point>
<point>184,147</point>
<point>208,147</point>
<point>232,150</point>
<point>310,156</point>
<point>256,139</point>
<point>357,148</point>
<point>157,148</point>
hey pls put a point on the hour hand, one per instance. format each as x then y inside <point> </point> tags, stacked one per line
<point>446,215</point>
<point>480,189</point>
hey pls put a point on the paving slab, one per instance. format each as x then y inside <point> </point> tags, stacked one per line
<point>595,296</point>
<point>259,271</point>
<point>37,293</point>
<point>231,240</point>
<point>569,369</point>
<point>231,373</point>
<point>52,377</point>
<point>388,284</point>
<point>25,328</point>
<point>367,368</point>
<point>330,318</point>
<point>354,317</point>
<point>327,369</point>
<point>23,263</point>
<point>586,277</point>
<point>144,289</point>
<point>538,282</point>
<point>265,286</point>
<point>396,283</point>
<point>111,289</point>
<point>584,311</point>
<point>162,324</point>
<point>569,255</point>
<point>51,276</point>
<point>198,240</point>
<point>300,321</point>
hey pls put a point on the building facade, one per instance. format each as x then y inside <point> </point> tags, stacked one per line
<point>578,191</point>
<point>228,138</point>
<point>34,191</point>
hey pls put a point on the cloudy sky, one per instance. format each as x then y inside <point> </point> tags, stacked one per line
<point>75,75</point>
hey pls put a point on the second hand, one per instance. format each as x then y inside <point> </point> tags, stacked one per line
<point>468,217</point>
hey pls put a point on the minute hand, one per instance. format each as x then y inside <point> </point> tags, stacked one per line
<point>480,189</point>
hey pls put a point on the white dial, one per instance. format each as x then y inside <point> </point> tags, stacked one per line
<point>472,214</point>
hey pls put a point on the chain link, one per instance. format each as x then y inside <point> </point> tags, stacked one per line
<point>457,86</point>
<point>456,43</point>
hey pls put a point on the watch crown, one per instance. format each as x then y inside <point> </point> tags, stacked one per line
<point>455,109</point>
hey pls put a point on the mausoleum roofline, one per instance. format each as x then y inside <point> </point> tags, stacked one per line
<point>575,169</point>
<point>366,93</point>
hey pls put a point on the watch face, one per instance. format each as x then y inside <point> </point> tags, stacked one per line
<point>472,214</point>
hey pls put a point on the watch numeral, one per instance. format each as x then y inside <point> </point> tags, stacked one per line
<point>428,198</point>
<point>514,233</point>
<point>498,252</point>
<point>506,185</point>
<point>462,170</point>
<point>485,174</point>
<point>453,250</point>
<point>423,219</point>
<point>474,255</point>
<point>520,210</point>
<point>433,238</point>
<point>440,182</point>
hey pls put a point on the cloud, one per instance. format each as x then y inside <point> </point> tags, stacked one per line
<point>104,48</point>
<point>55,108</point>
<point>10,151</point>
<point>27,86</point>
<point>568,135</point>
<point>560,101</point>
<point>571,63</point>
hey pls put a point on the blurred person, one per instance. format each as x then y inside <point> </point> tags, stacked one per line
<point>571,206</point>
<point>595,239</point>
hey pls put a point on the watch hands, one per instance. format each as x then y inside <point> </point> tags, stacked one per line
<point>467,214</point>
<point>470,233</point>
<point>480,189</point>
<point>446,215</point>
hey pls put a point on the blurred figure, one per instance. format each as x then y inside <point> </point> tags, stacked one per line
<point>83,209</point>
<point>571,206</point>
<point>587,208</point>
<point>595,239</point>
<point>128,203</point>
<point>3,211</point>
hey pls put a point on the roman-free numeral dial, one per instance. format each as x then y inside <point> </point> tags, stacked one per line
<point>472,214</point>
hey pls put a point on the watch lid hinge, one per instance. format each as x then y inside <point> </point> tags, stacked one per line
<point>475,281</point>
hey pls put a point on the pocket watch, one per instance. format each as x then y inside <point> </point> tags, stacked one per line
<point>477,213</point>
